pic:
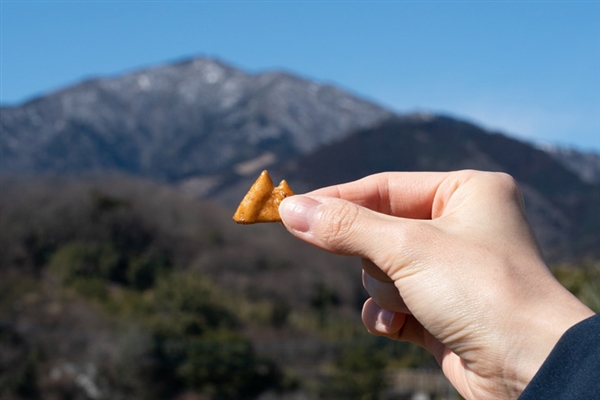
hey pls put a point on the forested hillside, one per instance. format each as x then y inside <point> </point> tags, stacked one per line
<point>147,294</point>
<point>117,288</point>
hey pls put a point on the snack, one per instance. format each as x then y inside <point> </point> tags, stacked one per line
<point>261,203</point>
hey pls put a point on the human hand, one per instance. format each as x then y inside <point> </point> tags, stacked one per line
<point>451,265</point>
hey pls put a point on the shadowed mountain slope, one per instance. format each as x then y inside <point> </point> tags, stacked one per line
<point>563,210</point>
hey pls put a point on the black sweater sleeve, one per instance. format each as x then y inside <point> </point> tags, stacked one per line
<point>572,370</point>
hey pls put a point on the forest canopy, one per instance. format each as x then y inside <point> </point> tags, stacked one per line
<point>115,287</point>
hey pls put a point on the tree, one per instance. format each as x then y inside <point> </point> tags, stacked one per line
<point>359,374</point>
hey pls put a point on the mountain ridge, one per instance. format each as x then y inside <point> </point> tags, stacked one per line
<point>209,114</point>
<point>208,128</point>
<point>562,208</point>
<point>38,132</point>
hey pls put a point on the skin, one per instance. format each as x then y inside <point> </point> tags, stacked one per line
<point>451,264</point>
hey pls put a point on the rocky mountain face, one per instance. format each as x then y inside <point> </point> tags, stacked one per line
<point>192,118</point>
<point>209,129</point>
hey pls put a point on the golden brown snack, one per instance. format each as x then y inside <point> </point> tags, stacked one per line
<point>261,203</point>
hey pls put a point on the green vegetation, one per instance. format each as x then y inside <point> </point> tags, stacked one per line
<point>109,255</point>
<point>127,290</point>
<point>583,280</point>
<point>358,373</point>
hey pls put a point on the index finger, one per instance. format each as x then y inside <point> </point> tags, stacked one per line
<point>401,194</point>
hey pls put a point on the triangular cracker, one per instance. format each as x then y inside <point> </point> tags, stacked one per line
<point>261,203</point>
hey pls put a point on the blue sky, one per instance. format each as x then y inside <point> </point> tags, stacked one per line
<point>530,69</point>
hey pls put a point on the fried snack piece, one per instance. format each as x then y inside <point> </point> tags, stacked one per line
<point>261,203</point>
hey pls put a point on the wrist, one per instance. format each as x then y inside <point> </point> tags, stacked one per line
<point>542,327</point>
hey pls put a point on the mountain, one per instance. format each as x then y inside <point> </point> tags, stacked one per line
<point>585,164</point>
<point>191,118</point>
<point>209,128</point>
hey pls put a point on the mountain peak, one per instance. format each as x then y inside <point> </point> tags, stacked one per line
<point>193,117</point>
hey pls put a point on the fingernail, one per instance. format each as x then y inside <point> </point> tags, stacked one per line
<point>297,212</point>
<point>384,320</point>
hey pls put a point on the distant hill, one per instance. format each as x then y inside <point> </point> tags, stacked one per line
<point>191,118</point>
<point>563,209</point>
<point>585,164</point>
<point>209,128</point>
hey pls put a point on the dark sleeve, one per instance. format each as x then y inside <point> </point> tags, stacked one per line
<point>572,370</point>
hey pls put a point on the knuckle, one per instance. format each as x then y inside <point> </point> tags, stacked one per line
<point>505,180</point>
<point>499,183</point>
<point>508,185</point>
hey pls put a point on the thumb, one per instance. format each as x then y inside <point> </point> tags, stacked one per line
<point>342,227</point>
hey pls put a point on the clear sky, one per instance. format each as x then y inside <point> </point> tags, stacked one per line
<point>526,68</point>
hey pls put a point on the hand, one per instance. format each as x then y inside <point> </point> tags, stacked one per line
<point>451,265</point>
